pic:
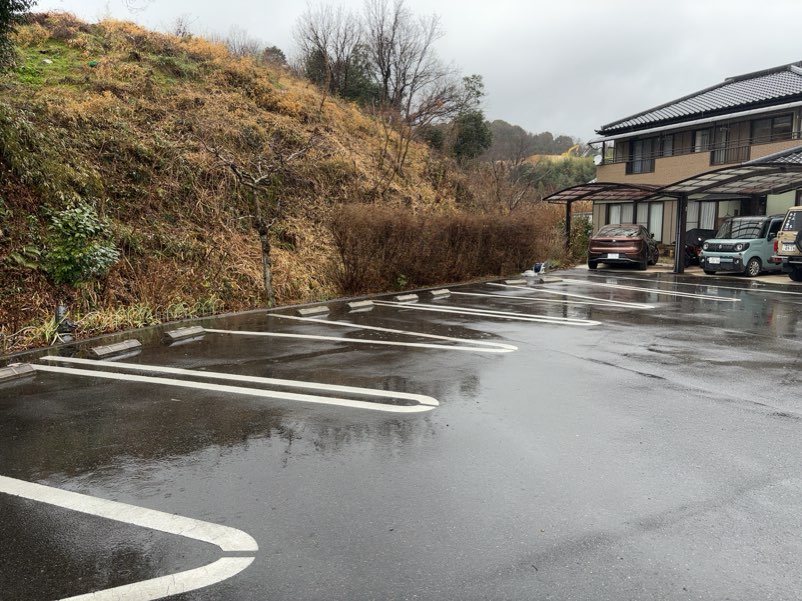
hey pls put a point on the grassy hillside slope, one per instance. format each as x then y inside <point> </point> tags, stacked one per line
<point>135,124</point>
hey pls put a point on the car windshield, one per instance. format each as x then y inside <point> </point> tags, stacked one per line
<point>740,229</point>
<point>623,231</point>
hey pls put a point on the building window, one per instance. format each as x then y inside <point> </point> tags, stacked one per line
<point>619,213</point>
<point>650,216</point>
<point>722,137</point>
<point>642,156</point>
<point>668,145</point>
<point>772,129</point>
<point>729,145</point>
<point>656,220</point>
<point>701,140</point>
<point>701,215</point>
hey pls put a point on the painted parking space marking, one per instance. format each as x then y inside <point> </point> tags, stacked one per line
<point>498,345</point>
<point>720,299</point>
<point>225,537</point>
<point>584,299</point>
<point>470,311</point>
<point>256,392</point>
<point>442,347</point>
<point>702,284</point>
<point>174,584</point>
<point>213,375</point>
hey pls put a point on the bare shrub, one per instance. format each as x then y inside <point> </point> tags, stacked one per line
<point>388,248</point>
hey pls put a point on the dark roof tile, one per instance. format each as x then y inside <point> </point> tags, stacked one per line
<point>776,84</point>
<point>792,156</point>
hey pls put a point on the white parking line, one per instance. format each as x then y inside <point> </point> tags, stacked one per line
<point>720,299</point>
<point>257,392</point>
<point>595,301</point>
<point>703,284</point>
<point>224,537</point>
<point>565,321</point>
<point>506,347</point>
<point>442,347</point>
<point>213,375</point>
<point>174,584</point>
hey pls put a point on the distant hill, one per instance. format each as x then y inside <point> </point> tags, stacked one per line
<point>511,142</point>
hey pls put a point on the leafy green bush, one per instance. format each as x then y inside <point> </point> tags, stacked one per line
<point>77,247</point>
<point>581,228</point>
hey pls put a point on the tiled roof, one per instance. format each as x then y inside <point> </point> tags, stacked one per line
<point>792,156</point>
<point>763,88</point>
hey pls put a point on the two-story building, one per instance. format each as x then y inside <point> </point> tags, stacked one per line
<point>732,149</point>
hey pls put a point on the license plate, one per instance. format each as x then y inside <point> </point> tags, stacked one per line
<point>612,255</point>
<point>714,260</point>
<point>788,248</point>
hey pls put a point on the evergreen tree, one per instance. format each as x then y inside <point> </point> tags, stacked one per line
<point>472,135</point>
<point>11,14</point>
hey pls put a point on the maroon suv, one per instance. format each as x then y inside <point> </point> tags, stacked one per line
<point>623,244</point>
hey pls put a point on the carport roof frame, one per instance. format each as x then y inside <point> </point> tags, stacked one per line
<point>601,191</point>
<point>754,179</point>
<point>747,179</point>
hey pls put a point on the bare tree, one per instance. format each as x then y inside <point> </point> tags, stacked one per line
<point>416,88</point>
<point>409,72</point>
<point>182,26</point>
<point>391,53</point>
<point>329,40</point>
<point>240,43</point>
<point>260,180</point>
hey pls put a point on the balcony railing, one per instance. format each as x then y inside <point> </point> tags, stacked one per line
<point>730,154</point>
<point>719,154</point>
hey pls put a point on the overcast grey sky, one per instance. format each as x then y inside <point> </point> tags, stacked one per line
<point>565,66</point>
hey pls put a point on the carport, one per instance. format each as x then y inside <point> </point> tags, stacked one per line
<point>598,192</point>
<point>774,174</point>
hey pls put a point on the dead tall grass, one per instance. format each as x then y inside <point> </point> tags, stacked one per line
<point>384,248</point>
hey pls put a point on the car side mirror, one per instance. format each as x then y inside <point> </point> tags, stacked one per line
<point>772,236</point>
<point>651,234</point>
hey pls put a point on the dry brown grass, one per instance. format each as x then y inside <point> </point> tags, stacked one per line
<point>126,117</point>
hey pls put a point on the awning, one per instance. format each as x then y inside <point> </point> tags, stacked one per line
<point>602,191</point>
<point>755,179</point>
<point>747,179</point>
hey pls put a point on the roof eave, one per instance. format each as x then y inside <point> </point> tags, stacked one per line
<point>697,121</point>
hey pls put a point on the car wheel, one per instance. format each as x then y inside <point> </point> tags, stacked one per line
<point>798,240</point>
<point>796,274</point>
<point>643,265</point>
<point>708,272</point>
<point>753,267</point>
<point>655,257</point>
<point>592,265</point>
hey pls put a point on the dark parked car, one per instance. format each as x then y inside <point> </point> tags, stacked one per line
<point>693,244</point>
<point>623,244</point>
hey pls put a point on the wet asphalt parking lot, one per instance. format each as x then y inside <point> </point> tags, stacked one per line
<point>612,435</point>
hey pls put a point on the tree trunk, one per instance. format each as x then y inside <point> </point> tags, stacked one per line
<point>267,267</point>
